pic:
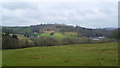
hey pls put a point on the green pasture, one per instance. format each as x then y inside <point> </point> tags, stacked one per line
<point>60,36</point>
<point>104,54</point>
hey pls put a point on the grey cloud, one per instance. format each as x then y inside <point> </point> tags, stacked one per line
<point>19,5</point>
<point>84,14</point>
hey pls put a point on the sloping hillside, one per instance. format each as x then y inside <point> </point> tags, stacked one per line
<point>59,36</point>
<point>57,28</point>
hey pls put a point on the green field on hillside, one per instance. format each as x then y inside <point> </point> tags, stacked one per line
<point>60,36</point>
<point>65,55</point>
<point>44,34</point>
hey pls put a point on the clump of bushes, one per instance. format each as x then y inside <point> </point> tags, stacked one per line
<point>82,40</point>
<point>13,42</point>
<point>52,33</point>
<point>9,42</point>
<point>67,41</point>
<point>45,41</point>
<point>26,43</point>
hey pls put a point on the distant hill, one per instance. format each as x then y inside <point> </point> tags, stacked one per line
<point>81,31</point>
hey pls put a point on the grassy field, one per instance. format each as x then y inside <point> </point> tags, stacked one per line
<point>44,34</point>
<point>66,55</point>
<point>0,58</point>
<point>60,36</point>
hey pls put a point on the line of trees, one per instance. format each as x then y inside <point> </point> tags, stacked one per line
<point>13,42</point>
<point>115,34</point>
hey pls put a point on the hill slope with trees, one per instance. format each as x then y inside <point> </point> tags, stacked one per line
<point>81,31</point>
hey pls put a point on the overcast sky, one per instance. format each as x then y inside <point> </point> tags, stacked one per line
<point>85,14</point>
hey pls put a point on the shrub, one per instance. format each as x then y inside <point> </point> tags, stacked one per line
<point>68,41</point>
<point>82,40</point>
<point>12,42</point>
<point>45,41</point>
<point>52,33</point>
<point>9,43</point>
<point>14,36</point>
<point>75,40</point>
<point>26,43</point>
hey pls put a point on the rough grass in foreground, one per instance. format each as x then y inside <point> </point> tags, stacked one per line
<point>67,55</point>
